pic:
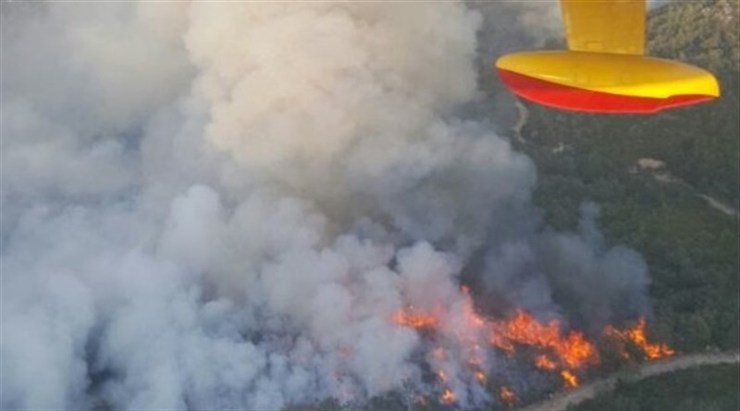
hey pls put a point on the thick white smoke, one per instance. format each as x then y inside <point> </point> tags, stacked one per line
<point>222,205</point>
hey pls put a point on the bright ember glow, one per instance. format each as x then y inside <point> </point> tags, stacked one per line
<point>573,349</point>
<point>636,335</point>
<point>506,394</point>
<point>544,362</point>
<point>447,396</point>
<point>414,318</point>
<point>571,381</point>
<point>549,346</point>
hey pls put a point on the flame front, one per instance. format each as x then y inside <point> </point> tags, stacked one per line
<point>547,345</point>
<point>523,329</point>
<point>653,351</point>
<point>636,335</point>
<point>415,318</point>
<point>573,349</point>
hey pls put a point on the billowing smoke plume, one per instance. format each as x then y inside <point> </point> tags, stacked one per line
<point>222,205</point>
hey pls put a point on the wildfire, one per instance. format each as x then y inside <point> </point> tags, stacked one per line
<point>544,362</point>
<point>447,396</point>
<point>636,335</point>
<point>411,317</point>
<point>547,344</point>
<point>574,350</point>
<point>653,351</point>
<point>506,394</point>
<point>571,381</point>
<point>523,329</point>
<point>501,343</point>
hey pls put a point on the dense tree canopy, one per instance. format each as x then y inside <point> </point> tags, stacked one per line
<point>652,176</point>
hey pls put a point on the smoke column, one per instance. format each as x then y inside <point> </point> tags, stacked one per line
<point>221,205</point>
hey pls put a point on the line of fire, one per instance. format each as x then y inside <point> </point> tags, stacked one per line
<point>549,347</point>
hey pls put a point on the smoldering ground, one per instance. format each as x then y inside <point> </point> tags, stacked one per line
<point>221,205</point>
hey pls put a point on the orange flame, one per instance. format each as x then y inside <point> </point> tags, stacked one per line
<point>501,342</point>
<point>447,396</point>
<point>523,329</point>
<point>573,349</point>
<point>653,351</point>
<point>544,362</point>
<point>506,394</point>
<point>551,348</point>
<point>636,335</point>
<point>571,381</point>
<point>414,318</point>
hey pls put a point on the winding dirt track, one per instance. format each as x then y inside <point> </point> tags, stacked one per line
<point>563,400</point>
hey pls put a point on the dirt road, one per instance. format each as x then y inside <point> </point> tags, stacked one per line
<point>564,400</point>
<point>718,205</point>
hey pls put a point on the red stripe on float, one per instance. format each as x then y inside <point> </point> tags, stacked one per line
<point>578,99</point>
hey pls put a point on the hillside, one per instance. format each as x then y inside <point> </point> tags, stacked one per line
<point>654,177</point>
<point>704,142</point>
<point>696,389</point>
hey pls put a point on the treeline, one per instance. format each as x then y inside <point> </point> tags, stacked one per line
<point>691,248</point>
<point>706,140</point>
<point>701,388</point>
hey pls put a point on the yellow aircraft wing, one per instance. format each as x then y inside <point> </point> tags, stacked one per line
<point>605,26</point>
<point>605,69</point>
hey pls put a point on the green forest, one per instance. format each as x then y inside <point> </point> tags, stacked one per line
<point>654,177</point>
<point>700,388</point>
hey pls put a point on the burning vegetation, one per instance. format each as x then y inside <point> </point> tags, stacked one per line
<point>506,394</point>
<point>447,397</point>
<point>411,317</point>
<point>548,346</point>
<point>636,335</point>
<point>571,381</point>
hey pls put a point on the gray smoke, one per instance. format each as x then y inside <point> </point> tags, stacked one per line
<point>222,205</point>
